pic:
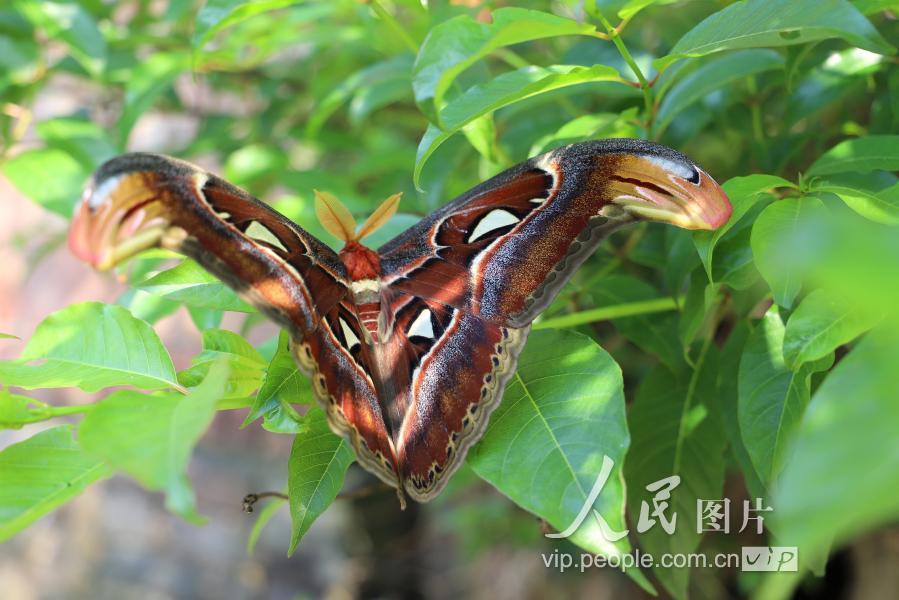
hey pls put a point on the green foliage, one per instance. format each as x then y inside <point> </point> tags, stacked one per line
<point>759,355</point>
<point>544,447</point>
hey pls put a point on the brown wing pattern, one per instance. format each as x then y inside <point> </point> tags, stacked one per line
<point>138,201</point>
<point>458,291</point>
<point>493,259</point>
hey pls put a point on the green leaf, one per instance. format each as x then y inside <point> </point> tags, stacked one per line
<point>844,467</point>
<point>59,193</point>
<point>395,71</point>
<point>282,386</point>
<point>8,336</point>
<point>588,127</point>
<point>91,346</point>
<point>716,73</point>
<point>262,519</point>
<point>16,411</point>
<point>219,14</point>
<point>454,45</point>
<point>783,238</point>
<point>653,333</point>
<point>880,207</point>
<point>820,324</point>
<point>728,405</point>
<point>81,139</point>
<point>562,413</point>
<point>71,23</point>
<point>859,155</point>
<point>151,437</point>
<point>675,432</point>
<point>744,193</point>
<point>41,473</point>
<point>245,364</point>
<point>632,7</point>
<point>151,78</point>
<point>771,396</point>
<point>504,90</point>
<point>318,463</point>
<point>871,6</point>
<point>190,284</point>
<point>772,23</point>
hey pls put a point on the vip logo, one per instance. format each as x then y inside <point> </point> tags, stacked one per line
<point>770,558</point>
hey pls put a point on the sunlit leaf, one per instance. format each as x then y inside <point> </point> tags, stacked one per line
<point>318,462</point>
<point>844,466</point>
<point>562,413</point>
<point>190,284</point>
<point>282,386</point>
<point>40,474</point>
<point>822,322</point>
<point>743,193</point>
<point>151,437</point>
<point>768,23</point>
<point>859,155</point>
<point>91,346</point>
<point>783,241</point>
<point>28,172</point>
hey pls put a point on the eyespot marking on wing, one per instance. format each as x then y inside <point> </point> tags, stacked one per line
<point>421,326</point>
<point>258,231</point>
<point>351,339</point>
<point>495,219</point>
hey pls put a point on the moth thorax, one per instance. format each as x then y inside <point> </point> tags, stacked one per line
<point>361,263</point>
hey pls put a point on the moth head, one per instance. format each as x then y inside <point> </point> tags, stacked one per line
<point>119,215</point>
<point>666,186</point>
<point>361,262</point>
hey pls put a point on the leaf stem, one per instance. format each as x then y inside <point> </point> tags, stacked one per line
<point>604,313</point>
<point>614,34</point>
<point>394,26</point>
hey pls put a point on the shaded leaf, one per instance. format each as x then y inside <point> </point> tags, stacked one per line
<point>772,397</point>
<point>676,432</point>
<point>716,73</point>
<point>505,89</point>
<point>456,44</point>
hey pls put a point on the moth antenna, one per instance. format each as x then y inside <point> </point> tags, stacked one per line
<point>381,215</point>
<point>335,217</point>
